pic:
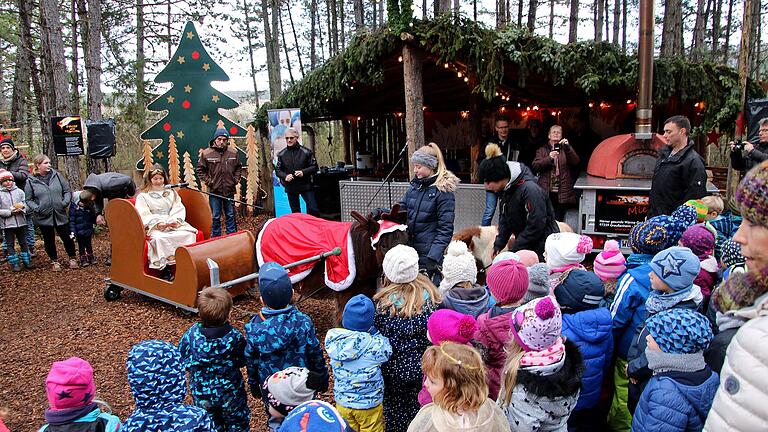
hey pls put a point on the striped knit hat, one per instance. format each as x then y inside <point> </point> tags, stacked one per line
<point>752,195</point>
<point>701,209</point>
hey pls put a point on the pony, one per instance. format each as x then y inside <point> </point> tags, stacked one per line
<point>479,241</point>
<point>356,271</point>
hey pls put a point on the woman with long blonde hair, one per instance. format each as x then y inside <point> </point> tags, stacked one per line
<point>48,197</point>
<point>403,305</point>
<point>455,378</point>
<point>431,206</point>
<point>541,380</point>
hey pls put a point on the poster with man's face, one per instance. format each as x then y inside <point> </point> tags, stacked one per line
<point>279,122</point>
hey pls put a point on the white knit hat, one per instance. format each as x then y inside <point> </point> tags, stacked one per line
<point>562,249</point>
<point>401,264</point>
<point>458,266</point>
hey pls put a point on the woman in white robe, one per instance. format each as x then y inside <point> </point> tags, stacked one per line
<point>163,215</point>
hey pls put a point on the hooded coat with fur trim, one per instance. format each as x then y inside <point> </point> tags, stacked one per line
<point>431,206</point>
<point>545,402</point>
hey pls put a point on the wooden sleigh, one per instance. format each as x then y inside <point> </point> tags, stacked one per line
<point>129,270</point>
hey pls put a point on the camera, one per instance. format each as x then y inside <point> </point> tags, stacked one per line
<point>558,147</point>
<point>739,146</point>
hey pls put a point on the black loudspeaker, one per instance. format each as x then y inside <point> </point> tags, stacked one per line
<point>757,109</point>
<point>101,138</point>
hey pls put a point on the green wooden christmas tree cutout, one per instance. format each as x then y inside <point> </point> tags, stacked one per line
<point>192,104</point>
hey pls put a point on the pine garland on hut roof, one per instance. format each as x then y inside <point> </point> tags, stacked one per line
<point>514,58</point>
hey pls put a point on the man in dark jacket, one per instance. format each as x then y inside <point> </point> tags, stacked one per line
<point>295,166</point>
<point>751,154</point>
<point>501,138</point>
<point>526,212</point>
<point>220,168</point>
<point>108,186</point>
<point>12,160</point>
<point>679,175</point>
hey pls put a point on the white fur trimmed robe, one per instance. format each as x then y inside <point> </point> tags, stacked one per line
<point>164,206</point>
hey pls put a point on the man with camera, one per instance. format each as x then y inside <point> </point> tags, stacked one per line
<point>745,155</point>
<point>555,163</point>
<point>680,174</point>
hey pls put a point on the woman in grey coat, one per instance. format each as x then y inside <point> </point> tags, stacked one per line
<point>48,197</point>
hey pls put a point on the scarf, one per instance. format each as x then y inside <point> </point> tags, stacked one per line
<point>10,158</point>
<point>659,300</point>
<point>550,356</point>
<point>636,260</point>
<point>660,362</point>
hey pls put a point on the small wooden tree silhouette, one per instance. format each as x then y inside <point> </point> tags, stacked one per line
<point>147,151</point>
<point>237,196</point>
<point>174,171</point>
<point>203,186</point>
<point>189,172</point>
<point>253,163</point>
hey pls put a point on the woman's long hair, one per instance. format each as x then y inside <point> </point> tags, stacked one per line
<point>509,373</point>
<point>406,299</point>
<point>435,151</point>
<point>149,173</point>
<point>37,160</point>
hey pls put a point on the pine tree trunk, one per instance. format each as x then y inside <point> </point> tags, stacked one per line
<point>442,6</point>
<point>598,20</point>
<point>424,7</point>
<point>58,74</point>
<point>474,10</point>
<point>716,30</point>
<point>519,13</point>
<point>501,14</point>
<point>671,34</point>
<point>456,8</point>
<point>250,49</point>
<point>357,6</point>
<point>573,21</point>
<point>141,91</point>
<point>281,28</point>
<point>295,38</point>
<point>321,42</point>
<point>728,24</point>
<point>624,26</point>
<point>616,21</point>
<point>90,22</point>
<point>755,45</point>
<point>551,17</point>
<point>312,34</point>
<point>414,99</point>
<point>374,16</point>
<point>75,90</point>
<point>532,5</point>
<point>699,27</point>
<point>21,96</point>
<point>335,25</point>
<point>25,24</point>
<point>273,51</point>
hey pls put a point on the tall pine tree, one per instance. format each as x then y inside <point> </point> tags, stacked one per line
<point>192,104</point>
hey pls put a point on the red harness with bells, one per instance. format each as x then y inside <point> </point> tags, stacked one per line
<point>297,236</point>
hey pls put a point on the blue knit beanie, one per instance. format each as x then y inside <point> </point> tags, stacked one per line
<point>676,266</point>
<point>580,291</point>
<point>358,314</point>
<point>274,285</point>
<point>655,234</point>
<point>680,331</point>
<point>219,132</point>
<point>686,214</point>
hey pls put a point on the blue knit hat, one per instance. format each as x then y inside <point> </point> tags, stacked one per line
<point>358,314</point>
<point>676,266</point>
<point>680,331</point>
<point>655,234</point>
<point>314,416</point>
<point>732,253</point>
<point>274,285</point>
<point>686,214</point>
<point>219,132</point>
<point>580,291</point>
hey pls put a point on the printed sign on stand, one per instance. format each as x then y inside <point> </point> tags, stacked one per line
<point>279,121</point>
<point>67,135</point>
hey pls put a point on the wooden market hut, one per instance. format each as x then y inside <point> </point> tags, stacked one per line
<point>454,65</point>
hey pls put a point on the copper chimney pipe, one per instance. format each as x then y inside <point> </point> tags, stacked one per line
<point>643,127</point>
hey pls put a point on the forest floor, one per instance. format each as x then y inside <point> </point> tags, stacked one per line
<point>47,316</point>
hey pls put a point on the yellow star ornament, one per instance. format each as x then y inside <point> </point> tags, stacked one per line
<point>206,118</point>
<point>180,134</point>
<point>181,60</point>
<point>215,98</point>
<point>159,154</point>
<point>206,67</point>
<point>187,88</point>
<point>171,99</point>
<point>190,35</point>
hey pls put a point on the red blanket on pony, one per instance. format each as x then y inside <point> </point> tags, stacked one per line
<point>297,236</point>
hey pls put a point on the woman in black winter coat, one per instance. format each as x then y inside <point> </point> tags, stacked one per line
<point>431,207</point>
<point>48,197</point>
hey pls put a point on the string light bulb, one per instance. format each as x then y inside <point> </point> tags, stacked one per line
<point>400,59</point>
<point>458,74</point>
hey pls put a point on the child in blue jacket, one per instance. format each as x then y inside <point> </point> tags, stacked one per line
<point>680,394</point>
<point>357,352</point>
<point>628,308</point>
<point>70,389</point>
<point>213,353</point>
<point>82,218</point>
<point>588,326</point>
<point>279,336</point>
<point>159,386</point>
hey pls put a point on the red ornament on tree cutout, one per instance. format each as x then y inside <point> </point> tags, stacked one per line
<point>195,55</point>
<point>185,104</point>
<point>167,126</point>
<point>233,130</point>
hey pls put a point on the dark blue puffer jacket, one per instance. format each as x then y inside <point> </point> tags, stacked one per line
<point>159,385</point>
<point>591,331</point>
<point>81,219</point>
<point>431,207</point>
<point>676,401</point>
<point>408,338</point>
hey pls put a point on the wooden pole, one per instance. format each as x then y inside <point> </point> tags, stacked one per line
<point>414,96</point>
<point>347,128</point>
